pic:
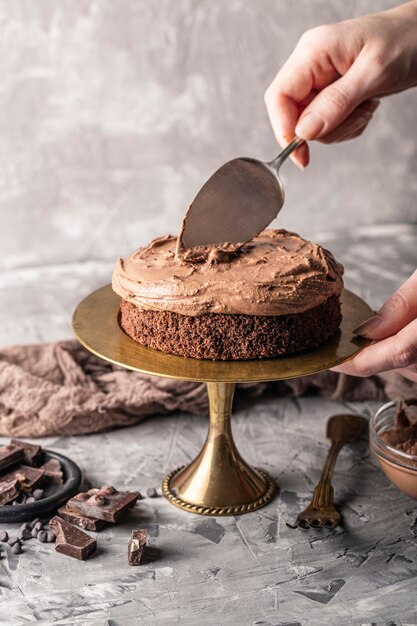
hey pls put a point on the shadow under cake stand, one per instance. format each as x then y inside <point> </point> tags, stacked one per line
<point>218,481</point>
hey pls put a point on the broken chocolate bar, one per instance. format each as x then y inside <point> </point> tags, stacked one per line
<point>32,452</point>
<point>136,547</point>
<point>10,455</point>
<point>53,471</point>
<point>71,540</point>
<point>105,503</point>
<point>78,519</point>
<point>9,490</point>
<point>28,476</point>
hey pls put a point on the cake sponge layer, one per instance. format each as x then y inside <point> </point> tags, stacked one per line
<point>218,336</point>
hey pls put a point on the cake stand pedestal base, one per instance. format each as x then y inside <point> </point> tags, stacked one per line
<point>219,481</point>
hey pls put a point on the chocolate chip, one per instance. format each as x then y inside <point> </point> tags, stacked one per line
<point>34,532</point>
<point>13,540</point>
<point>50,537</point>
<point>16,549</point>
<point>25,526</point>
<point>38,526</point>
<point>3,535</point>
<point>35,521</point>
<point>151,492</point>
<point>38,494</point>
<point>25,533</point>
<point>42,536</point>
<point>140,496</point>
<point>30,500</point>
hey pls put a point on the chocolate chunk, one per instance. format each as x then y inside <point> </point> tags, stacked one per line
<point>10,455</point>
<point>42,536</point>
<point>16,549</point>
<point>9,491</point>
<point>25,525</point>
<point>38,494</point>
<point>136,547</point>
<point>32,452</point>
<point>38,526</point>
<point>78,519</point>
<point>30,500</point>
<point>34,532</point>
<point>50,537</point>
<point>35,521</point>
<point>403,434</point>
<point>28,476</point>
<point>105,503</point>
<point>70,540</point>
<point>4,535</point>
<point>53,471</point>
<point>152,492</point>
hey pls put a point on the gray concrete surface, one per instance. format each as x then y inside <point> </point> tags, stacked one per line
<point>241,571</point>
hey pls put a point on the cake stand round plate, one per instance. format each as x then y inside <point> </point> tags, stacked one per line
<point>218,481</point>
<point>96,326</point>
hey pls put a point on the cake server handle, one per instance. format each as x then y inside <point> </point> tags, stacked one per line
<point>279,160</point>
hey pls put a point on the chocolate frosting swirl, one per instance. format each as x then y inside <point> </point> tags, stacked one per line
<point>276,273</point>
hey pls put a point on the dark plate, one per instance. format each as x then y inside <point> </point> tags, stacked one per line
<point>55,494</point>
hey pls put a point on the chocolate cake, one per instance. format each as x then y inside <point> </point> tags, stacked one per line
<point>277,294</point>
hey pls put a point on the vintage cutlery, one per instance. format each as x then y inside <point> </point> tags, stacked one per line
<point>321,512</point>
<point>237,202</point>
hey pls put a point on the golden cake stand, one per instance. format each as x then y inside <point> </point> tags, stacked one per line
<point>218,481</point>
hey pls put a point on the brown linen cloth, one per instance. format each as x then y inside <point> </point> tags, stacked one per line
<point>62,389</point>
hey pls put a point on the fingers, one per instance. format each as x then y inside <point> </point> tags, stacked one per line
<point>354,125</point>
<point>409,372</point>
<point>396,352</point>
<point>332,106</point>
<point>398,311</point>
<point>301,156</point>
<point>287,96</point>
<point>283,113</point>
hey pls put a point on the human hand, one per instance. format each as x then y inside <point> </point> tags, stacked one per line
<point>394,329</point>
<point>329,87</point>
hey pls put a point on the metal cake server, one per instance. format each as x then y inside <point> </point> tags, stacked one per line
<point>237,202</point>
<point>321,512</point>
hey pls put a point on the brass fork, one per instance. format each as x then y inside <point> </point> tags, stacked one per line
<point>321,512</point>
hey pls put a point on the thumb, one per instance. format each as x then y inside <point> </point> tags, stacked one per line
<point>398,311</point>
<point>333,104</point>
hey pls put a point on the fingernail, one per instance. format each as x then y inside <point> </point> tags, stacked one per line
<point>309,125</point>
<point>368,326</point>
<point>297,162</point>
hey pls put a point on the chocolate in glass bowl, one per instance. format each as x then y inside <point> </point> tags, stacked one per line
<point>399,466</point>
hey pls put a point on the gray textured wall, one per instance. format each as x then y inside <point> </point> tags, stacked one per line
<point>114,112</point>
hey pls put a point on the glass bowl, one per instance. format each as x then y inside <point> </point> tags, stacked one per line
<point>398,466</point>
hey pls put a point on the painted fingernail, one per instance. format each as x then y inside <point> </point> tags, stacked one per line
<point>309,125</point>
<point>368,326</point>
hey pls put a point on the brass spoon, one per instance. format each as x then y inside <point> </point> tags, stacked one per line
<point>321,512</point>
